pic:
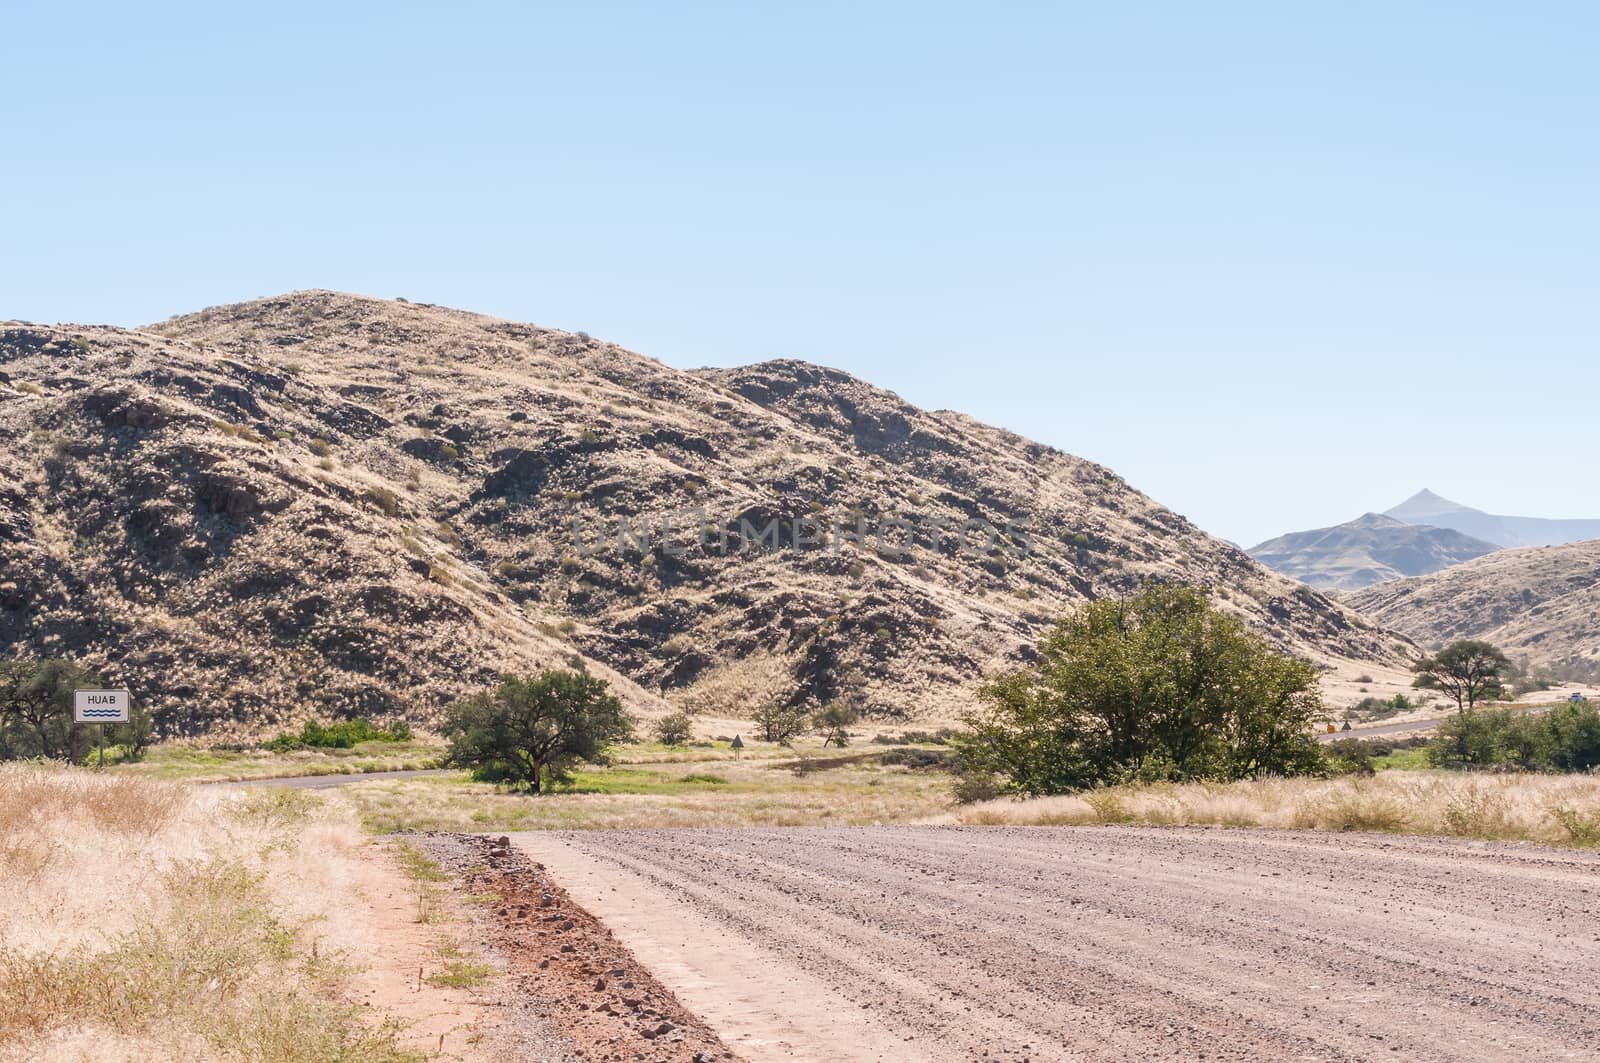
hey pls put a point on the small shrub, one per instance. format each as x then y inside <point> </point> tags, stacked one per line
<point>239,431</point>
<point>461,974</point>
<point>674,729</point>
<point>320,447</point>
<point>780,723</point>
<point>1379,708</point>
<point>1581,827</point>
<point>916,759</point>
<point>341,735</point>
<point>1108,806</point>
<point>1358,808</point>
<point>974,786</point>
<point>1475,812</point>
<point>385,499</point>
<point>676,646</point>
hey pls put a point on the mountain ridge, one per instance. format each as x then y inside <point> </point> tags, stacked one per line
<point>1538,602</point>
<point>1426,507</point>
<point>1370,549</point>
<point>322,503</point>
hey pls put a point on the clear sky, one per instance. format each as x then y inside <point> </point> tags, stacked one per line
<point>1277,264</point>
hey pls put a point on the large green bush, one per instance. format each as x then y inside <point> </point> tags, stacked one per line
<point>341,735</point>
<point>1565,739</point>
<point>1159,686</point>
<point>531,729</point>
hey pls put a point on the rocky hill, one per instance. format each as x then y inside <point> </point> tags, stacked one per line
<point>1367,550</point>
<point>1425,507</point>
<point>1542,603</point>
<point>322,503</point>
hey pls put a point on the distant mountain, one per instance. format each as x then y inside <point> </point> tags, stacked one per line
<point>1542,603</point>
<point>1425,507</point>
<point>1370,549</point>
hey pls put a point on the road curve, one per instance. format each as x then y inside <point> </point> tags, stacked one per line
<point>1382,729</point>
<point>1109,943</point>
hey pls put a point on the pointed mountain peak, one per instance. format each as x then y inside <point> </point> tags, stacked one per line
<point>1424,504</point>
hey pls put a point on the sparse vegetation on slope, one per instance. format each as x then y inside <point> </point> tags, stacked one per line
<point>367,508</point>
<point>1537,603</point>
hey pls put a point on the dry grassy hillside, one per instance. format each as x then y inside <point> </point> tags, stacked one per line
<point>329,503</point>
<point>1542,603</point>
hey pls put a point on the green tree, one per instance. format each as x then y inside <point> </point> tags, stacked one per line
<point>675,729</point>
<point>780,723</point>
<point>833,723</point>
<point>1467,672</point>
<point>1157,686</point>
<point>135,735</point>
<point>1574,730</point>
<point>532,729</point>
<point>36,708</point>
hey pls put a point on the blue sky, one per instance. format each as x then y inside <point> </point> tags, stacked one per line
<point>1277,264</point>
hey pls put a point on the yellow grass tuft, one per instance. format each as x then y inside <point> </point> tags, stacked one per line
<point>148,920</point>
<point>1553,809</point>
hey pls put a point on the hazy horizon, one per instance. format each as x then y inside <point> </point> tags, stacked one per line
<point>1275,268</point>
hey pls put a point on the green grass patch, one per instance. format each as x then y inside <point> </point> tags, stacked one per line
<point>750,793</point>
<point>461,974</point>
<point>192,763</point>
<point>1402,760</point>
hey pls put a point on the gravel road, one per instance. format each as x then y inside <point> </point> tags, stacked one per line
<point>1111,942</point>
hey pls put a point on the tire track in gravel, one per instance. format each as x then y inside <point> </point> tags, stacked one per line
<point>1124,942</point>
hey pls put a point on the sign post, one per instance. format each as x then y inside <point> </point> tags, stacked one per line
<point>101,707</point>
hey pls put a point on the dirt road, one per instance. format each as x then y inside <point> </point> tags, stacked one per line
<point>956,943</point>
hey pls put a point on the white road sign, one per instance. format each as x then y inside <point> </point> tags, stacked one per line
<point>100,706</point>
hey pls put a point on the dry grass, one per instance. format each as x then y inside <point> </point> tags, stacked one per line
<point>146,920</point>
<point>1553,809</point>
